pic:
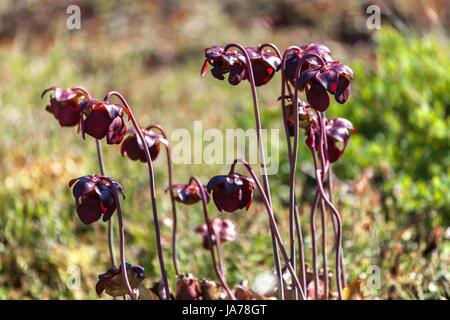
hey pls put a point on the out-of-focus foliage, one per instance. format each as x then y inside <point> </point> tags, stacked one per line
<point>401,111</point>
<point>392,187</point>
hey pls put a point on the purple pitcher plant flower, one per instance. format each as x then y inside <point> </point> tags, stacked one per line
<point>333,77</point>
<point>188,193</point>
<point>231,192</point>
<point>337,133</point>
<point>103,119</point>
<point>64,105</point>
<point>134,148</point>
<point>264,62</point>
<point>94,197</point>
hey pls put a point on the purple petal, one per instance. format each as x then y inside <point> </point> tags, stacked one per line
<point>90,210</point>
<point>83,187</point>
<point>69,115</point>
<point>63,95</point>
<point>262,73</point>
<point>317,97</point>
<point>217,70</point>
<point>237,73</point>
<point>328,79</point>
<point>307,75</point>
<point>224,201</point>
<point>343,69</point>
<point>272,60</point>
<point>131,149</point>
<point>214,182</point>
<point>343,90</point>
<point>213,52</point>
<point>116,131</point>
<point>97,123</point>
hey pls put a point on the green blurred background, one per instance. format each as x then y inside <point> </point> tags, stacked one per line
<point>392,183</point>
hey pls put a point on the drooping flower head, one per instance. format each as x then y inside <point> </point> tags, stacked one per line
<point>94,197</point>
<point>293,59</point>
<point>220,61</point>
<point>103,119</point>
<point>337,137</point>
<point>224,228</point>
<point>231,192</point>
<point>264,63</point>
<point>188,193</point>
<point>319,74</point>
<point>112,282</point>
<point>133,147</point>
<point>333,77</point>
<point>64,105</point>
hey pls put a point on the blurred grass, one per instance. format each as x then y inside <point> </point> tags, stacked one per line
<point>392,187</point>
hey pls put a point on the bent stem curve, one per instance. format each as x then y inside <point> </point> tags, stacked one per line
<point>213,239</point>
<point>152,189</point>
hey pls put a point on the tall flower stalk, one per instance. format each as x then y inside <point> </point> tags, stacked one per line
<point>213,239</point>
<point>172,199</point>
<point>262,157</point>
<point>320,174</point>
<point>152,188</point>
<point>273,226</point>
<point>294,222</point>
<point>293,155</point>
<point>121,242</point>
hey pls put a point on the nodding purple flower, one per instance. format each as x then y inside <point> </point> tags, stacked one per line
<point>103,119</point>
<point>188,193</point>
<point>333,77</point>
<point>306,116</point>
<point>264,63</point>
<point>293,59</point>
<point>224,228</point>
<point>94,197</point>
<point>337,133</point>
<point>64,105</point>
<point>133,147</point>
<point>220,61</point>
<point>231,192</point>
<point>112,283</point>
<point>188,288</point>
